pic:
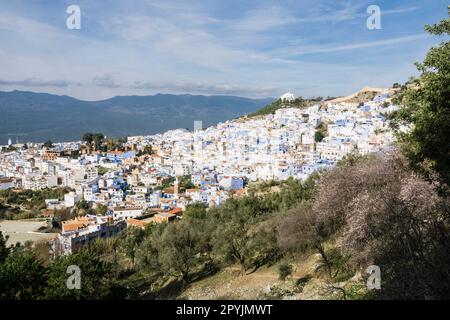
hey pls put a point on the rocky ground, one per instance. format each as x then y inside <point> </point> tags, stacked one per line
<point>305,283</point>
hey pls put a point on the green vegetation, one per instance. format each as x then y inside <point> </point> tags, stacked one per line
<point>321,132</point>
<point>148,150</point>
<point>382,214</point>
<point>284,270</point>
<point>26,204</point>
<point>278,104</point>
<point>96,280</point>
<point>32,199</point>
<point>84,207</point>
<point>4,250</point>
<point>41,278</point>
<point>93,140</point>
<point>195,211</point>
<point>427,110</point>
<point>328,98</point>
<point>102,170</point>
<point>239,231</point>
<point>23,204</point>
<point>186,182</point>
<point>8,212</point>
<point>130,241</point>
<point>351,217</point>
<point>318,136</point>
<point>22,276</point>
<point>373,210</point>
<point>9,148</point>
<point>48,144</point>
<point>242,230</point>
<point>112,144</point>
<point>98,142</point>
<point>166,183</point>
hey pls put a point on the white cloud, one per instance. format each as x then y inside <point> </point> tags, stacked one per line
<point>16,23</point>
<point>206,88</point>
<point>33,82</point>
<point>293,52</point>
<point>181,47</point>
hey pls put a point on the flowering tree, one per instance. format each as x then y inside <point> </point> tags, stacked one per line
<point>389,216</point>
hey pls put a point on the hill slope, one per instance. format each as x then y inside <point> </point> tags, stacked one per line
<point>40,116</point>
<point>278,104</point>
<point>363,95</point>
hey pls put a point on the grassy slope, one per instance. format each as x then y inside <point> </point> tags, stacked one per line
<point>307,282</point>
<point>262,284</point>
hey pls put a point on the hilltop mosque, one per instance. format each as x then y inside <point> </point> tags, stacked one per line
<point>287,97</point>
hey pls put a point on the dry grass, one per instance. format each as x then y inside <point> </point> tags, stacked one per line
<point>24,230</point>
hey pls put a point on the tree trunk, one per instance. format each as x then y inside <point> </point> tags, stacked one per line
<point>242,263</point>
<point>321,250</point>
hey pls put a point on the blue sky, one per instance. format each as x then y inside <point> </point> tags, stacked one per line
<point>247,47</point>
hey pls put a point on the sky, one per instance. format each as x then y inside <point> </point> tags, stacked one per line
<point>251,48</point>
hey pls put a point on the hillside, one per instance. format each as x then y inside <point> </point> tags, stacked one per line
<point>278,104</point>
<point>363,95</point>
<point>31,116</point>
<point>307,282</point>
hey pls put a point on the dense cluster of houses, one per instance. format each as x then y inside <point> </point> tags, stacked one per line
<point>219,161</point>
<point>276,146</point>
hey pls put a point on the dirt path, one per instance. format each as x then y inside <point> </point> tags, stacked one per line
<point>24,230</point>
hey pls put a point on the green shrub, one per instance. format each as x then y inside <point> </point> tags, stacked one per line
<point>284,270</point>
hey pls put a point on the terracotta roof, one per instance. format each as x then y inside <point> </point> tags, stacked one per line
<point>165,215</point>
<point>48,213</point>
<point>239,193</point>
<point>136,223</point>
<point>175,211</point>
<point>169,190</point>
<point>72,226</point>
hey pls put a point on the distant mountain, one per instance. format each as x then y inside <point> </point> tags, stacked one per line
<point>31,116</point>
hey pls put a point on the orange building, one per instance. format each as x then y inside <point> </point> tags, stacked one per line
<point>75,224</point>
<point>50,155</point>
<point>164,217</point>
<point>136,223</point>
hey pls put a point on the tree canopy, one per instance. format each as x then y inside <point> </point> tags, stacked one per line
<point>426,102</point>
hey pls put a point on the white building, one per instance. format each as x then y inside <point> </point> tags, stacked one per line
<point>71,198</point>
<point>123,213</point>
<point>287,97</point>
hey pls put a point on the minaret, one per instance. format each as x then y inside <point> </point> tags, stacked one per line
<point>9,142</point>
<point>176,187</point>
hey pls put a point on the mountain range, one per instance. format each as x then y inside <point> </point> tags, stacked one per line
<point>37,117</point>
